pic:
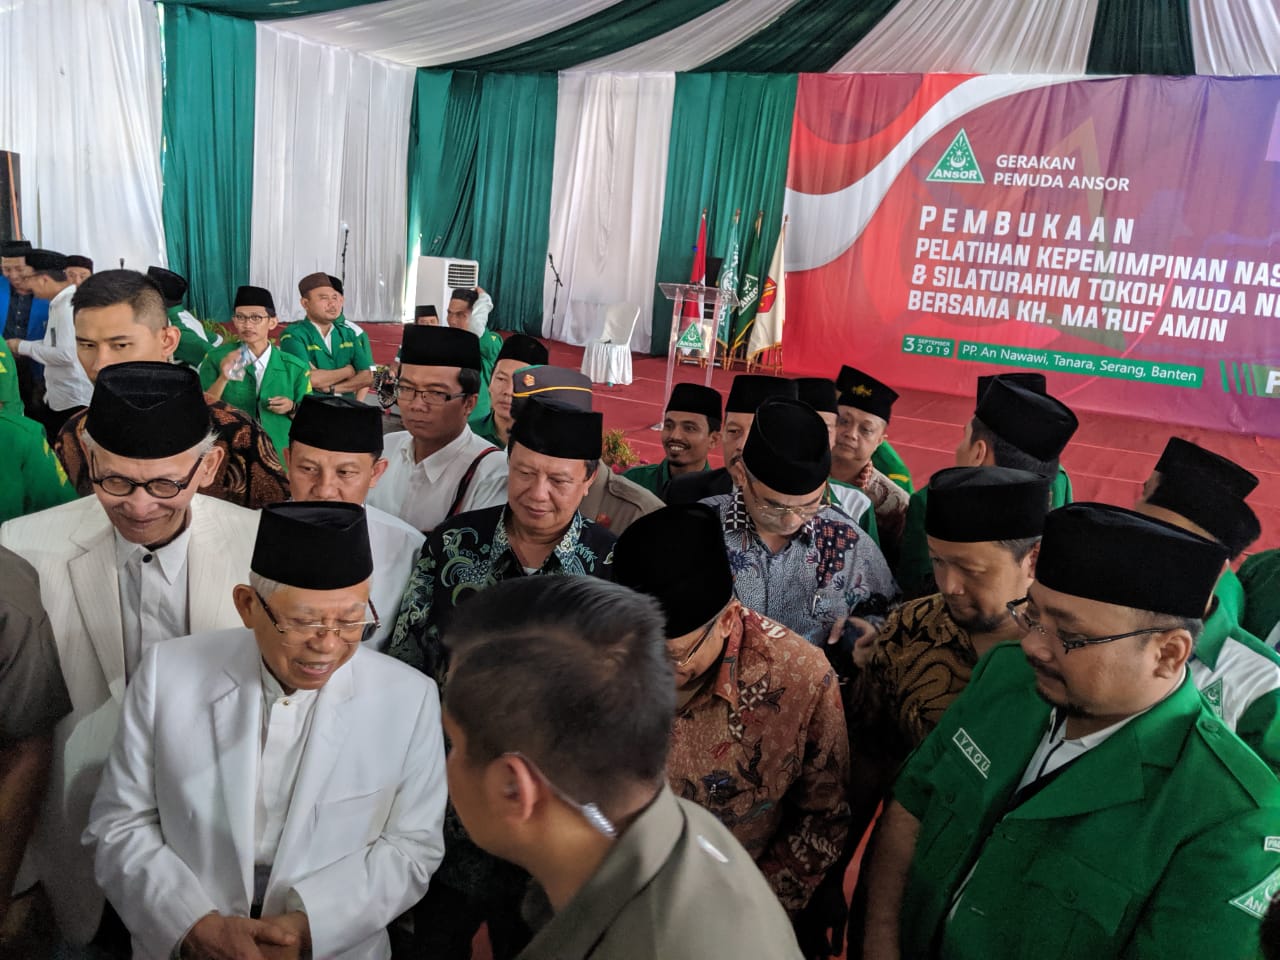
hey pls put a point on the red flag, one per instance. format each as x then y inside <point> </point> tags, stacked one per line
<point>698,275</point>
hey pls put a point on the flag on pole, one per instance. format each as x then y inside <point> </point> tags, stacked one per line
<point>766,332</point>
<point>728,282</point>
<point>698,275</point>
<point>753,268</point>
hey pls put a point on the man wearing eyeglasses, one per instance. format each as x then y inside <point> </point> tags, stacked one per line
<point>144,560</point>
<point>277,789</point>
<point>796,560</point>
<point>1239,675</point>
<point>266,383</point>
<point>335,454</point>
<point>1080,799</point>
<point>559,708</point>
<point>759,735</point>
<point>437,467</point>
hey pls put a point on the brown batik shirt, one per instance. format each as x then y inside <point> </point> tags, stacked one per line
<point>251,474</point>
<point>764,748</point>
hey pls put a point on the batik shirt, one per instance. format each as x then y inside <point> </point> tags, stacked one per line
<point>764,748</point>
<point>829,569</point>
<point>463,556</point>
<point>251,474</point>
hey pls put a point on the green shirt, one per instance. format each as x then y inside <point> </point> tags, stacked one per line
<point>654,477</point>
<point>346,347</point>
<point>9,395</point>
<point>1260,581</point>
<point>31,476</point>
<point>285,376</point>
<point>192,348</point>
<point>490,347</point>
<point>1090,866</point>
<point>915,572</point>
<point>887,461</point>
<point>487,429</point>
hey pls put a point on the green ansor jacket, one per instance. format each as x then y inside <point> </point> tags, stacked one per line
<point>1160,842</point>
<point>285,376</point>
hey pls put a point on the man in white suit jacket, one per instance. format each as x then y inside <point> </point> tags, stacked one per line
<point>280,785</point>
<point>146,426</point>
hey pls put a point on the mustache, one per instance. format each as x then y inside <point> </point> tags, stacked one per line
<point>1044,671</point>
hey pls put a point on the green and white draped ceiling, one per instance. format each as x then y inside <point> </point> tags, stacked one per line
<point>501,130</point>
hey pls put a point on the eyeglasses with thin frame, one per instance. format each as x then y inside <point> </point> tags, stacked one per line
<point>1027,624</point>
<point>296,633</point>
<point>591,812</point>
<point>250,319</point>
<point>432,398</point>
<point>698,644</point>
<point>780,511</point>
<point>162,488</point>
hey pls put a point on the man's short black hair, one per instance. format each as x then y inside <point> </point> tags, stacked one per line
<point>469,380</point>
<point>1007,455</point>
<point>573,672</point>
<point>57,276</point>
<point>468,296</point>
<point>110,287</point>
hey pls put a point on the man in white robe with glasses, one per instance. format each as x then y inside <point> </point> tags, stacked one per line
<point>144,560</point>
<point>277,790</point>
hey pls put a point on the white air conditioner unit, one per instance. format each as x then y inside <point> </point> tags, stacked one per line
<point>438,277</point>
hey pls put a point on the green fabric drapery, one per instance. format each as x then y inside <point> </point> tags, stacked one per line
<point>622,25</point>
<point>480,165</point>
<point>1142,36</point>
<point>809,38</point>
<point>209,76</point>
<point>730,141</point>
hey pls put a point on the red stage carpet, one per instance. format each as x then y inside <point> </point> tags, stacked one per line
<point>1108,459</point>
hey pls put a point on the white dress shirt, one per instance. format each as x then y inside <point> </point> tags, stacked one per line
<point>395,546</point>
<point>66,385</point>
<point>421,493</point>
<point>260,367</point>
<point>153,594</point>
<point>286,724</point>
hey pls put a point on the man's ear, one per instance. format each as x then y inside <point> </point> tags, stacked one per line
<point>713,440</point>
<point>379,468</point>
<point>514,789</point>
<point>243,598</point>
<point>738,472</point>
<point>1029,561</point>
<point>1172,650</point>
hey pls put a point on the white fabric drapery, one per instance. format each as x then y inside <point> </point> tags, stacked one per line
<point>442,31</point>
<point>1236,37</point>
<point>331,131</point>
<point>80,103</point>
<point>612,133</point>
<point>700,40</point>
<point>979,36</point>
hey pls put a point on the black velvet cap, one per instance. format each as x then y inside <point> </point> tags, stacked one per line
<point>46,260</point>
<point>1112,555</point>
<point>314,281</point>
<point>254,297</point>
<point>559,385</point>
<point>431,346</point>
<point>338,424</point>
<point>817,392</point>
<point>521,346</point>
<point>559,431</point>
<point>1218,475</point>
<point>677,556</point>
<point>749,390</point>
<point>981,504</point>
<point>314,545</point>
<point>1035,382</point>
<point>76,260</point>
<point>1227,518</point>
<point>147,410</point>
<point>788,447</point>
<point>866,393</point>
<point>15,248</point>
<point>1037,424</point>
<point>173,286</point>
<point>696,398</point>
<point>425,310</point>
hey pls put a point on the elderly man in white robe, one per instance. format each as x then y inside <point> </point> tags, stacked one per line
<point>276,790</point>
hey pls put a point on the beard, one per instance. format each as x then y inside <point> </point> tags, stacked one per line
<point>978,622</point>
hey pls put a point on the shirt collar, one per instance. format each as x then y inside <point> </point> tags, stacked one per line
<point>63,296</point>
<point>434,464</point>
<point>172,557</point>
<point>738,519</point>
<point>562,554</point>
<point>273,691</point>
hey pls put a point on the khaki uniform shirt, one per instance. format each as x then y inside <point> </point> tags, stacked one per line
<point>615,502</point>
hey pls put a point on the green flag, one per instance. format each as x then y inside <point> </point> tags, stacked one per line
<point>728,285</point>
<point>748,289</point>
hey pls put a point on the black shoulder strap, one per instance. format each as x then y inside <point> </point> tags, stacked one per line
<point>465,483</point>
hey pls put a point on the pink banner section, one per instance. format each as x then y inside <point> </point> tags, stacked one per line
<point>1119,235</point>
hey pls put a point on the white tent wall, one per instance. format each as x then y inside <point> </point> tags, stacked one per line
<point>80,84</point>
<point>331,135</point>
<point>610,176</point>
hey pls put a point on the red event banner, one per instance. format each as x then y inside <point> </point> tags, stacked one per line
<point>1121,235</point>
